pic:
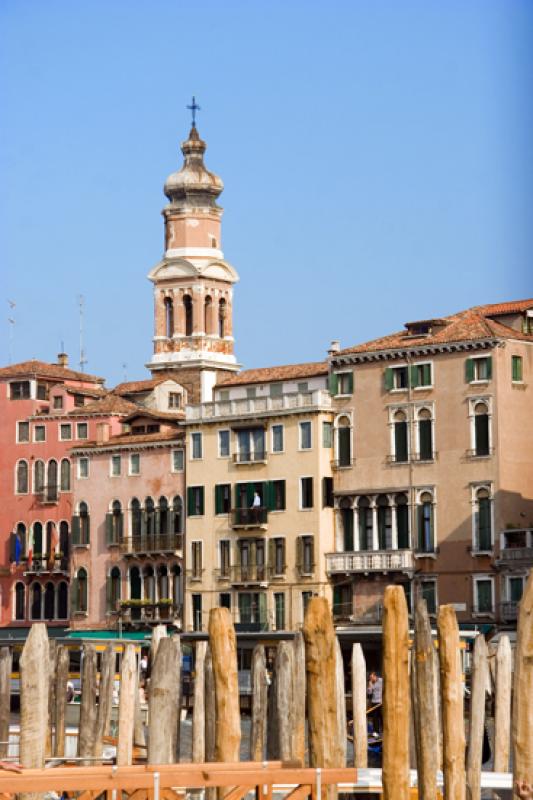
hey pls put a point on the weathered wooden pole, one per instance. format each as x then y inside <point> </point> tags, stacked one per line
<point>163,699</point>
<point>52,654</point>
<point>88,709</point>
<point>342,722</point>
<point>414,755</point>
<point>477,719</point>
<point>283,699</point>
<point>5,698</point>
<point>158,633</point>
<point>198,718</point>
<point>298,699</point>
<point>426,721</point>
<point>395,764</point>
<point>360,731</point>
<point>453,729</point>
<point>502,701</point>
<point>210,707</point>
<point>34,669</point>
<point>259,704</point>
<point>105,698</point>
<point>320,662</point>
<point>224,655</point>
<point>126,712</point>
<point>523,690</point>
<point>60,698</point>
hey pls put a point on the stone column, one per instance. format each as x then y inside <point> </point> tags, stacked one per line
<point>394,522</point>
<point>356,533</point>
<point>374,507</point>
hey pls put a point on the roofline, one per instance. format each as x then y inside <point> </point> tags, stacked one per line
<point>417,350</point>
<point>108,447</point>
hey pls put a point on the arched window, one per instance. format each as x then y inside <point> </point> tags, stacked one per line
<point>163,518</point>
<point>481,430</point>
<point>177,585</point>
<point>222,318</point>
<point>81,590</point>
<point>84,523</point>
<point>187,307</point>
<point>149,516</point>
<point>49,601</point>
<point>162,582</point>
<point>384,523</point>
<point>51,483</point>
<point>20,601</point>
<point>64,540</point>
<point>365,523</point>
<point>50,539</point>
<point>344,441</point>
<point>62,600</point>
<point>22,477</point>
<point>114,523</point>
<point>402,521</point>
<point>208,315</point>
<point>401,446</point>
<point>65,475</point>
<point>21,535</point>
<point>38,477</point>
<point>136,519</point>
<point>135,590</point>
<point>113,589</point>
<point>426,542</point>
<point>36,598</point>
<point>177,510</point>
<point>169,317</point>
<point>482,520</point>
<point>37,537</point>
<point>149,584</point>
<point>425,435</point>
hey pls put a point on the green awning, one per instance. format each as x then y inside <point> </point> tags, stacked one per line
<point>137,636</point>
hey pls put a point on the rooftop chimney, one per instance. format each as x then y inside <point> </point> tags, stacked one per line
<point>62,359</point>
<point>334,347</point>
<point>102,432</point>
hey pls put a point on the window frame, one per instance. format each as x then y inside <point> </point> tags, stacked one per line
<point>78,434</point>
<point>519,362</point>
<point>199,502</point>
<point>219,442</point>
<point>475,361</point>
<point>301,507</point>
<point>18,439</point>
<point>302,426</point>
<point>62,426</point>
<point>131,473</point>
<point>196,439</point>
<point>419,365</point>
<point>173,453</point>
<point>426,580</point>
<point>28,471</point>
<point>278,426</point>
<point>79,461</point>
<point>34,437</point>
<point>472,403</point>
<point>115,458</point>
<point>482,578</point>
<point>475,489</point>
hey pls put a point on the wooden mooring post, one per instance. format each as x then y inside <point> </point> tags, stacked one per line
<point>60,698</point>
<point>126,713</point>
<point>360,731</point>
<point>105,698</point>
<point>88,709</point>
<point>198,717</point>
<point>259,704</point>
<point>34,675</point>
<point>164,697</point>
<point>522,726</point>
<point>426,721</point>
<point>5,694</point>
<point>453,728</point>
<point>477,718</point>
<point>224,657</point>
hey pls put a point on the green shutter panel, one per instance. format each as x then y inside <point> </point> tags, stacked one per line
<point>272,555</point>
<point>469,370</point>
<point>75,530</point>
<point>109,538</point>
<point>250,489</point>
<point>218,499</point>
<point>120,526</point>
<point>414,376</point>
<point>74,595</point>
<point>269,498</point>
<point>201,503</point>
<point>427,375</point>
<point>489,367</point>
<point>333,384</point>
<point>237,496</point>
<point>299,551</point>
<point>514,368</point>
<point>313,564</point>
<point>109,594</point>
<point>263,608</point>
<point>190,501</point>
<point>350,383</point>
<point>389,379</point>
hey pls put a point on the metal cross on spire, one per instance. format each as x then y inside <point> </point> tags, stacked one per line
<point>194,107</point>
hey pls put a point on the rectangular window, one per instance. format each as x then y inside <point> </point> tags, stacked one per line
<point>428,590</point>
<point>251,445</point>
<point>251,392</point>
<point>82,430</point>
<point>305,435</point>
<point>222,498</point>
<point>42,391</point>
<point>327,434</point>
<point>224,545</point>
<point>116,464</point>
<point>196,445</point>
<point>401,441</point>
<point>344,383</point>
<point>196,612</point>
<point>478,369</point>
<point>224,600</point>
<point>83,467</point>
<point>135,464</point>
<point>39,433</point>
<point>79,400</point>
<point>515,589</point>
<point>327,492</point>
<point>223,444</point>
<point>279,608</point>
<point>306,596</point>
<point>177,461</point>
<point>303,387</point>
<point>421,375</point>
<point>516,368</point>
<point>174,400</point>
<point>425,525</point>
<point>276,389</point>
<point>305,555</point>
<point>277,556</point>
<point>58,402</point>
<point>278,490</point>
<point>19,390</point>
<point>196,559</point>
<point>425,439</point>
<point>306,493</point>
<point>396,378</point>
<point>195,501</point>
<point>223,395</point>
<point>483,603</point>
<point>23,431</point>
<point>65,431</point>
<point>277,438</point>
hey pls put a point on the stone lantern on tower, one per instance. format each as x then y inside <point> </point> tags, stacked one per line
<point>193,284</point>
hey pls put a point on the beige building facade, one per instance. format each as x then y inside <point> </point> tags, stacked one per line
<point>259,497</point>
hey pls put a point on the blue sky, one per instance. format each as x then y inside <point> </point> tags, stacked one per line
<point>376,157</point>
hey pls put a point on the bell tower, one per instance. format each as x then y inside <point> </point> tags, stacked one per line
<point>193,284</point>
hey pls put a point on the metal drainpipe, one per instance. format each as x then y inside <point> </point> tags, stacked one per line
<point>412,506</point>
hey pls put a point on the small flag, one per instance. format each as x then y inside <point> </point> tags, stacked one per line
<point>18,549</point>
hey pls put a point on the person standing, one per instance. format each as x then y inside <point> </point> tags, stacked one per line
<point>375,698</point>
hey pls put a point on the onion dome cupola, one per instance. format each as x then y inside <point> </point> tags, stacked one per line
<point>193,186</point>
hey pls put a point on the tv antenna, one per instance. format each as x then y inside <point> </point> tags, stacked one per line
<point>11,321</point>
<point>83,360</point>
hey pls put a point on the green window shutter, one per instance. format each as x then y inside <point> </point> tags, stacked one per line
<point>484,525</point>
<point>333,384</point>
<point>427,375</point>
<point>299,551</point>
<point>201,503</point>
<point>109,593</point>
<point>350,382</point>
<point>389,379</point>
<point>469,370</point>
<point>190,501</point>
<point>514,368</point>
<point>218,499</point>
<point>74,595</point>
<point>109,533</point>
<point>269,498</point>
<point>414,375</point>
<point>75,530</point>
<point>120,527</point>
<point>313,563</point>
<point>272,554</point>
<point>250,491</point>
<point>489,367</point>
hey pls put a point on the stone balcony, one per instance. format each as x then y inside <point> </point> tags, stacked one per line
<point>370,561</point>
<point>254,406</point>
<point>516,548</point>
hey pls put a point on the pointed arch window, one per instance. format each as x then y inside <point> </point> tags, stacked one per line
<point>401,438</point>
<point>135,590</point>
<point>37,540</point>
<point>22,477</point>
<point>481,430</point>
<point>65,475</point>
<point>136,518</point>
<point>80,591</point>
<point>51,483</point>
<point>426,532</point>
<point>38,477</point>
<point>222,318</point>
<point>187,307</point>
<point>482,520</point>
<point>425,435</point>
<point>113,589</point>
<point>169,317</point>
<point>343,441</point>
<point>208,315</point>
<point>365,523</point>
<point>149,517</point>
<point>164,519</point>
<point>177,510</point>
<point>20,601</point>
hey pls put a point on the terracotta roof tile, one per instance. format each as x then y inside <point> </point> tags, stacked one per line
<point>153,413</point>
<point>41,369</point>
<point>130,438</point>
<point>134,387</point>
<point>499,309</point>
<point>286,372</point>
<point>110,404</point>
<point>96,391</point>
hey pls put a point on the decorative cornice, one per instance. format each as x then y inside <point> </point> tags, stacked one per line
<point>419,350</point>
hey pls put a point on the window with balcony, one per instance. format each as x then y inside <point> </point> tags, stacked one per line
<point>343,443</point>
<point>65,431</point>
<point>279,610</point>
<point>224,443</point>
<point>306,493</point>
<point>82,430</point>
<point>482,520</point>
<point>177,511</point>
<point>365,524</point>
<point>195,501</point>
<point>222,498</point>
<point>401,437</point>
<point>19,390</point>
<point>402,521</point>
<point>22,480</point>
<point>347,520</point>
<point>305,554</point>
<point>483,595</point>
<point>23,432</point>
<point>428,592</point>
<point>424,432</point>
<point>149,518</point>
<point>39,433</point>
<point>253,611</point>
<point>196,445</point>
<point>425,520</point>
<point>250,445</point>
<point>277,438</point>
<point>134,464</point>
<point>136,518</point>
<point>304,435</point>
<point>38,477</point>
<point>384,523</point>
<point>478,370</point>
